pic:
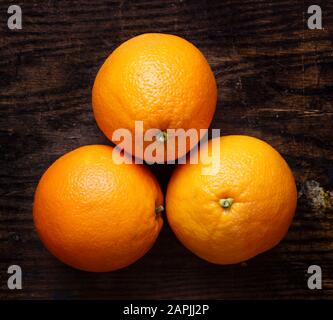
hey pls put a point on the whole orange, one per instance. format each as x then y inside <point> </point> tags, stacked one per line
<point>243,208</point>
<point>95,214</point>
<point>159,79</point>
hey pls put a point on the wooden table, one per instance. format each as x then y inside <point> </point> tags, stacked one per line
<point>275,82</point>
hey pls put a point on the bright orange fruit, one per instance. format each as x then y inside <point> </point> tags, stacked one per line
<point>160,79</point>
<point>94,214</point>
<point>244,208</point>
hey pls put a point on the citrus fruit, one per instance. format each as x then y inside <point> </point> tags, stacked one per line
<point>244,208</point>
<point>159,79</point>
<point>95,214</point>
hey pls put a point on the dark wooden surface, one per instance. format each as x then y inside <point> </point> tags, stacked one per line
<point>275,82</point>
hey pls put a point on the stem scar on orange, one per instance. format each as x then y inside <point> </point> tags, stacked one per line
<point>244,209</point>
<point>160,79</point>
<point>95,214</point>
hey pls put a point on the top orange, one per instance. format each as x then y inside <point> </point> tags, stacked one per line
<point>160,79</point>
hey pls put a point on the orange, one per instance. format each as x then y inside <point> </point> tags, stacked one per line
<point>160,79</point>
<point>244,208</point>
<point>94,214</point>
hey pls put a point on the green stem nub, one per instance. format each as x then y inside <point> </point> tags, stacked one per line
<point>159,209</point>
<point>162,136</point>
<point>226,203</point>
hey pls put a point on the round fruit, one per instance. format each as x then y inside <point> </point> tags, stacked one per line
<point>243,208</point>
<point>95,214</point>
<point>159,79</point>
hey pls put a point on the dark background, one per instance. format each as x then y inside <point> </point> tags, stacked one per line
<point>275,82</point>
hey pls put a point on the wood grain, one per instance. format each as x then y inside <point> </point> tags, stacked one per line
<point>275,82</point>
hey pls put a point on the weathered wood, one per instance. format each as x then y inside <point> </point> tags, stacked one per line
<point>275,82</point>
